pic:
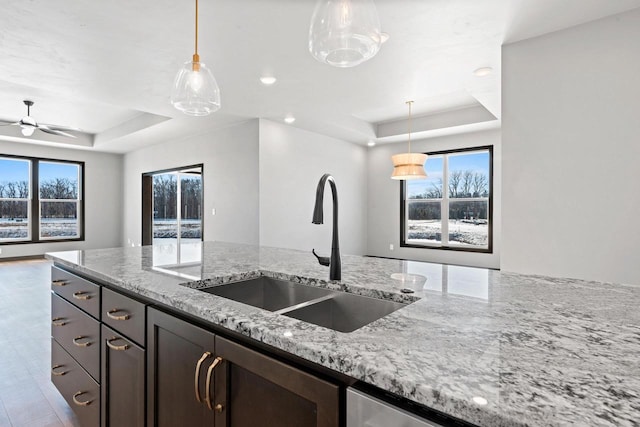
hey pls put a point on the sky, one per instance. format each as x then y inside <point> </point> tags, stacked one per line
<point>477,162</point>
<point>18,170</point>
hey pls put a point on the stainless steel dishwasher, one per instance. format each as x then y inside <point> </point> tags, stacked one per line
<point>364,410</point>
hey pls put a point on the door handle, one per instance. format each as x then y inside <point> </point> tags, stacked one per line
<point>110,315</point>
<point>77,342</point>
<point>116,347</point>
<point>57,373</point>
<point>205,355</point>
<point>207,397</point>
<point>58,282</point>
<point>58,321</point>
<point>78,402</point>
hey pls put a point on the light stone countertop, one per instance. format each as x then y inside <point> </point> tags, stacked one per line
<point>491,348</point>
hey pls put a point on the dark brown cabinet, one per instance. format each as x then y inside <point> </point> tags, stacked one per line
<point>196,378</point>
<point>260,390</point>
<point>179,357</point>
<point>123,380</point>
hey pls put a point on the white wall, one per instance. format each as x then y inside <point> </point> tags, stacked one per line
<point>230,159</point>
<point>571,152</point>
<point>103,198</point>
<point>291,164</point>
<point>384,201</point>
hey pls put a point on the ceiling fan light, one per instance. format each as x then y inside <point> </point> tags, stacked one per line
<point>27,130</point>
<point>344,33</point>
<point>195,90</point>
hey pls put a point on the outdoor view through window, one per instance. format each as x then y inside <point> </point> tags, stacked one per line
<point>451,208</point>
<point>51,212</point>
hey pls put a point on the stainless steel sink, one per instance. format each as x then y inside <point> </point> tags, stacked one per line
<point>268,293</point>
<point>340,311</point>
<point>345,312</point>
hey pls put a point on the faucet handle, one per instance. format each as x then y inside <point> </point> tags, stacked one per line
<point>323,260</point>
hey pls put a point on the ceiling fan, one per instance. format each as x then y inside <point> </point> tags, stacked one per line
<point>29,125</point>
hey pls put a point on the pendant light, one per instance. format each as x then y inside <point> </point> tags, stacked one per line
<point>344,33</point>
<point>195,91</point>
<point>409,165</point>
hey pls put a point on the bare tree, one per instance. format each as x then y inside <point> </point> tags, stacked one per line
<point>480,185</point>
<point>436,190</point>
<point>467,181</point>
<point>454,182</point>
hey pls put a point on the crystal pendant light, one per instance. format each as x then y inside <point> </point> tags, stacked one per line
<point>344,33</point>
<point>195,91</point>
<point>409,165</point>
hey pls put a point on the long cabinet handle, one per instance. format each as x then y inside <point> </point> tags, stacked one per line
<point>58,373</point>
<point>58,282</point>
<point>116,347</point>
<point>81,295</point>
<point>58,321</point>
<point>110,315</point>
<point>77,342</point>
<point>205,355</point>
<point>207,398</point>
<point>78,402</point>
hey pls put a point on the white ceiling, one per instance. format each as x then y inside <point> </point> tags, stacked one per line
<point>107,67</point>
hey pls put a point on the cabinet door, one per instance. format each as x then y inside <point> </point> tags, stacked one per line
<point>263,391</point>
<point>122,384</point>
<point>179,355</point>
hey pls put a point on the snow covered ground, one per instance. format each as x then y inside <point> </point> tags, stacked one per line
<point>460,231</point>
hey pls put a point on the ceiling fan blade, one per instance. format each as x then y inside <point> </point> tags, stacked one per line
<point>56,127</point>
<point>46,129</point>
<point>9,123</point>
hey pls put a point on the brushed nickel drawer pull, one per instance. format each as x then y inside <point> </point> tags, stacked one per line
<point>58,321</point>
<point>81,295</point>
<point>116,347</point>
<point>110,315</point>
<point>195,381</point>
<point>58,373</point>
<point>207,397</point>
<point>58,282</point>
<point>79,403</point>
<point>81,344</point>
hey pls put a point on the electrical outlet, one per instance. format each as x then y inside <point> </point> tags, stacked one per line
<point>390,246</point>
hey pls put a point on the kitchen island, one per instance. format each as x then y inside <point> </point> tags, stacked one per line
<point>486,347</point>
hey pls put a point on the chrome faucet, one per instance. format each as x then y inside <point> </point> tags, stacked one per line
<point>334,263</point>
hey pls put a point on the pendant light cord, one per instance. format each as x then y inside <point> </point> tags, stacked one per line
<point>196,27</point>
<point>409,104</point>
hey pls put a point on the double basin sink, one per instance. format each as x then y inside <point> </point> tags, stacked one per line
<point>340,311</point>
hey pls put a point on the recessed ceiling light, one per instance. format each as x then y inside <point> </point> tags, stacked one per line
<point>371,143</point>
<point>484,71</point>
<point>289,119</point>
<point>267,80</point>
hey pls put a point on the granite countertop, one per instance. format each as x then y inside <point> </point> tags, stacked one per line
<point>491,348</point>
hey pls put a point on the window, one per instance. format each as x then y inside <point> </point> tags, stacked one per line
<point>452,207</point>
<point>40,200</point>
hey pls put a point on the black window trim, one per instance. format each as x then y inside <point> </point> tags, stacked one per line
<point>35,202</point>
<point>489,249</point>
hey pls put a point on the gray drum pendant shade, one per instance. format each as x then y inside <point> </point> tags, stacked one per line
<point>195,90</point>
<point>344,33</point>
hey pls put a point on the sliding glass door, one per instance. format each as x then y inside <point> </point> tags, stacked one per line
<point>172,206</point>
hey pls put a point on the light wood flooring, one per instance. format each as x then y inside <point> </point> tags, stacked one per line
<point>27,396</point>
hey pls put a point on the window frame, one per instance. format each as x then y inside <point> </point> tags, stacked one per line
<point>444,203</point>
<point>33,205</point>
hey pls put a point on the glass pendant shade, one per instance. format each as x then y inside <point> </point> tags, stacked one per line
<point>408,166</point>
<point>195,90</point>
<point>344,33</point>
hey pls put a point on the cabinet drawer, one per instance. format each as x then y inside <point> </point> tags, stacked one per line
<point>124,314</point>
<point>76,386</point>
<point>123,380</point>
<point>77,333</point>
<point>82,293</point>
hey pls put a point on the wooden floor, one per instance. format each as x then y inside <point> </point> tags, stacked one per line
<point>27,396</point>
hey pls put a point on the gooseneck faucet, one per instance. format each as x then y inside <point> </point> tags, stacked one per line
<point>334,263</point>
